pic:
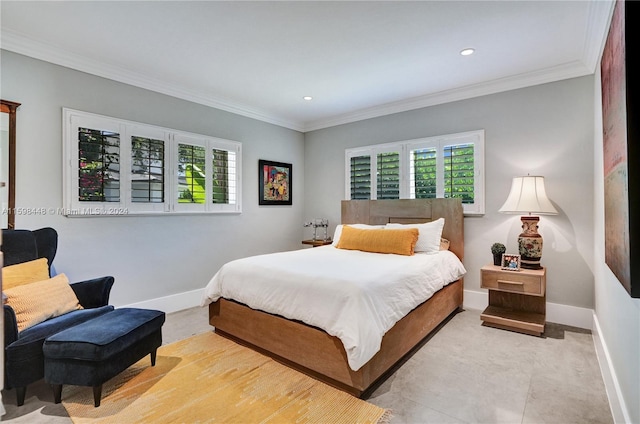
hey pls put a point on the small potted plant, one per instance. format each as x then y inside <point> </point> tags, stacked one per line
<point>497,249</point>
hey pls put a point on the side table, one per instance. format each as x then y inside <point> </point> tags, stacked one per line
<point>316,243</point>
<point>517,299</point>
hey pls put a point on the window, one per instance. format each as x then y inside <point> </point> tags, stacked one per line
<point>116,167</point>
<point>147,170</point>
<point>360,177</point>
<point>388,172</point>
<point>191,177</point>
<point>224,176</point>
<point>444,166</point>
<point>98,165</point>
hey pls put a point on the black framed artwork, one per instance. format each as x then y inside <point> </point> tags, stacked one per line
<point>621,148</point>
<point>274,181</point>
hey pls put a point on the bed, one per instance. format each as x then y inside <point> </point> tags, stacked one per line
<point>314,351</point>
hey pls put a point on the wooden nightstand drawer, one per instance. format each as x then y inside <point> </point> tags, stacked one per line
<point>527,281</point>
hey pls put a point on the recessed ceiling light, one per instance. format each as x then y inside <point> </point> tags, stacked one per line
<point>307,98</point>
<point>467,52</point>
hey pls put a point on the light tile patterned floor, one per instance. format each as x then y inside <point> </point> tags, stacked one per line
<point>468,373</point>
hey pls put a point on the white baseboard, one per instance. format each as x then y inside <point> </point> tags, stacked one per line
<point>570,315</point>
<point>560,314</point>
<point>168,304</point>
<point>475,300</point>
<point>616,401</point>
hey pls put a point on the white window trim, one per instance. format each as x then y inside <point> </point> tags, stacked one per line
<point>72,207</point>
<point>404,147</point>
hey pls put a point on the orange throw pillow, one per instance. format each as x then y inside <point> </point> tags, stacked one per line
<point>399,242</point>
<point>37,302</point>
<point>25,273</point>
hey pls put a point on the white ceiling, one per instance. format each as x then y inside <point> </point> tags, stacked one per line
<point>357,59</point>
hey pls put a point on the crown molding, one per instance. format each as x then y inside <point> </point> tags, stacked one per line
<point>599,16</point>
<point>561,72</point>
<point>17,43</point>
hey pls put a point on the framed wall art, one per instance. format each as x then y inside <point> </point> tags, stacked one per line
<point>621,147</point>
<point>275,180</point>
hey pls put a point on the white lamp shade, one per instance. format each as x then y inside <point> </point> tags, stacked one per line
<point>527,195</point>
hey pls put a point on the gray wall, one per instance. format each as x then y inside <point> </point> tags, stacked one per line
<point>543,130</point>
<point>617,314</point>
<point>151,257</point>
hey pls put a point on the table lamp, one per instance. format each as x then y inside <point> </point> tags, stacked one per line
<point>528,196</point>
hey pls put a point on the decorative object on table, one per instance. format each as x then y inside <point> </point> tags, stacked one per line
<point>316,223</point>
<point>510,262</point>
<point>275,180</point>
<point>528,195</point>
<point>619,110</point>
<point>497,249</point>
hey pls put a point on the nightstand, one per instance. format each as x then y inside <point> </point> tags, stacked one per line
<point>316,243</point>
<point>517,299</point>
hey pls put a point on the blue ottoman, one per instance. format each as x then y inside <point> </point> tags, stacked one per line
<point>97,350</point>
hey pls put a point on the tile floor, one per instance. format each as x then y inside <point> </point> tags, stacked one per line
<point>468,373</point>
<point>465,373</point>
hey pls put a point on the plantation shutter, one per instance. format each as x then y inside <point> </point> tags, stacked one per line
<point>98,165</point>
<point>191,174</point>
<point>446,166</point>
<point>388,175</point>
<point>223,173</point>
<point>459,172</point>
<point>423,173</point>
<point>116,167</point>
<point>147,170</point>
<point>360,179</point>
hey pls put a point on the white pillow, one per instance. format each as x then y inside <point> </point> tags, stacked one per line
<point>430,233</point>
<point>338,231</point>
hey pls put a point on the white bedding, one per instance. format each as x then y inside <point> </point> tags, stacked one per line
<point>353,295</point>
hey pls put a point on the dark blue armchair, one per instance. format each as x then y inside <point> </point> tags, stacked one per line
<point>23,357</point>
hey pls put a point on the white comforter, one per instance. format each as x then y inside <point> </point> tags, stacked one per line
<point>353,295</point>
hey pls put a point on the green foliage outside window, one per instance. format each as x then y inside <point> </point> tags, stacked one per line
<point>459,172</point>
<point>191,174</point>
<point>425,173</point>
<point>388,177</point>
<point>457,177</point>
<point>98,166</point>
<point>360,177</point>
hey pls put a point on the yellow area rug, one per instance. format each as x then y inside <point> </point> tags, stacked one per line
<point>209,379</point>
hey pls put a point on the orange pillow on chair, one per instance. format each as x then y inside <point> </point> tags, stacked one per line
<point>37,302</point>
<point>25,273</point>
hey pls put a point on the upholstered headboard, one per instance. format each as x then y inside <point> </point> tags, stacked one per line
<point>409,211</point>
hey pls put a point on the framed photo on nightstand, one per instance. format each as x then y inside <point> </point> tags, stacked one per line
<point>510,262</point>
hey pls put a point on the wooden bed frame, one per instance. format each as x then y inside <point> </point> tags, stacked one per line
<point>316,353</point>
